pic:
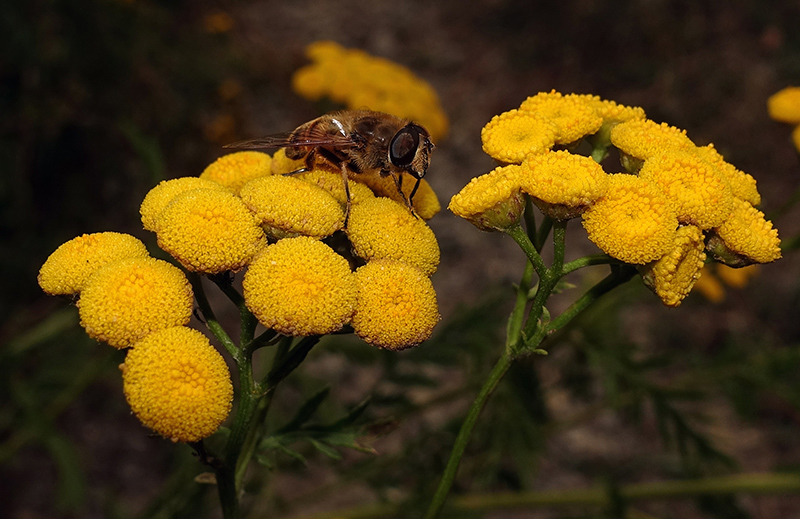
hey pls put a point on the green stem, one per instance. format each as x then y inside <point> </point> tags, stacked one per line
<point>514,326</point>
<point>246,318</point>
<point>521,237</point>
<point>449,474</point>
<point>211,320</point>
<point>588,261</point>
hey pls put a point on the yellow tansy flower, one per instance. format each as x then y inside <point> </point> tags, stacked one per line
<point>396,306</point>
<point>300,286</point>
<point>513,135</point>
<point>746,237</point>
<point>701,196</point>
<point>177,384</point>
<point>634,222</point>
<point>491,202</point>
<point>673,275</point>
<point>236,169</point>
<point>160,196</point>
<point>281,164</point>
<point>426,203</point>
<point>68,268</point>
<point>287,206</point>
<point>710,284</point>
<point>742,185</point>
<point>643,138</point>
<point>563,184</point>
<point>209,231</point>
<point>333,184</point>
<point>380,228</point>
<point>796,137</point>
<point>573,117</point>
<point>784,106</point>
<point>130,298</point>
<point>612,112</point>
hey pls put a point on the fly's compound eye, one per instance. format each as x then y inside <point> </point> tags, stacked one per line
<point>404,146</point>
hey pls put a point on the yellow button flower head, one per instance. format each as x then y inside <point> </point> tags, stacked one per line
<point>610,111</point>
<point>784,106</point>
<point>68,268</point>
<point>643,138</point>
<point>177,384</point>
<point>634,222</point>
<point>563,184</point>
<point>511,136</point>
<point>287,206</point>
<point>333,184</point>
<point>209,231</point>
<point>281,164</point>
<point>396,306</point>
<point>130,298</point>
<point>709,286</point>
<point>746,237</point>
<point>426,203</point>
<point>742,185</point>
<point>573,117</point>
<point>300,286</point>
<point>701,196</point>
<point>491,202</point>
<point>796,137</point>
<point>380,228</point>
<point>160,196</point>
<point>673,275</point>
<point>236,169</point>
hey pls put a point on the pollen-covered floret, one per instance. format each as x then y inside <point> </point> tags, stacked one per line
<point>634,222</point>
<point>68,268</point>
<point>127,299</point>
<point>784,105</point>
<point>287,206</point>
<point>491,202</point>
<point>513,135</point>
<point>177,384</point>
<point>747,235</point>
<point>643,138</point>
<point>573,117</point>
<point>564,180</point>
<point>612,112</point>
<point>209,231</point>
<point>380,228</point>
<point>300,286</point>
<point>396,306</point>
<point>160,196</point>
<point>333,184</point>
<point>742,185</point>
<point>425,202</point>
<point>673,275</point>
<point>281,164</point>
<point>236,169</point>
<point>700,194</point>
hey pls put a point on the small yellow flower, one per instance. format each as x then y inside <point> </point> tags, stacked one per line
<point>300,286</point>
<point>634,222</point>
<point>209,231</point>
<point>673,275</point>
<point>796,137</point>
<point>380,228</point>
<point>396,306</point>
<point>643,138</point>
<point>177,384</point>
<point>700,194</point>
<point>426,203</point>
<point>566,183</point>
<point>709,286</point>
<point>713,275</point>
<point>160,196</point>
<point>281,164</point>
<point>746,237</point>
<point>573,116</point>
<point>491,202</point>
<point>130,298</point>
<point>742,185</point>
<point>784,106</point>
<point>236,169</point>
<point>513,135</point>
<point>611,112</point>
<point>333,184</point>
<point>287,206</point>
<point>68,268</point>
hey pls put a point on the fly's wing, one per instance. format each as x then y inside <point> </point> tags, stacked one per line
<point>310,138</point>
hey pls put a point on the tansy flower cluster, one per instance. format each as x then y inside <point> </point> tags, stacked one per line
<point>784,106</point>
<point>356,80</point>
<point>673,204</point>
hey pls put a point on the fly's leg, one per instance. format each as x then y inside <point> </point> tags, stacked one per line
<point>398,181</point>
<point>346,195</point>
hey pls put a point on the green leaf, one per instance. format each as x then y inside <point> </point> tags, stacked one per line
<point>325,449</point>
